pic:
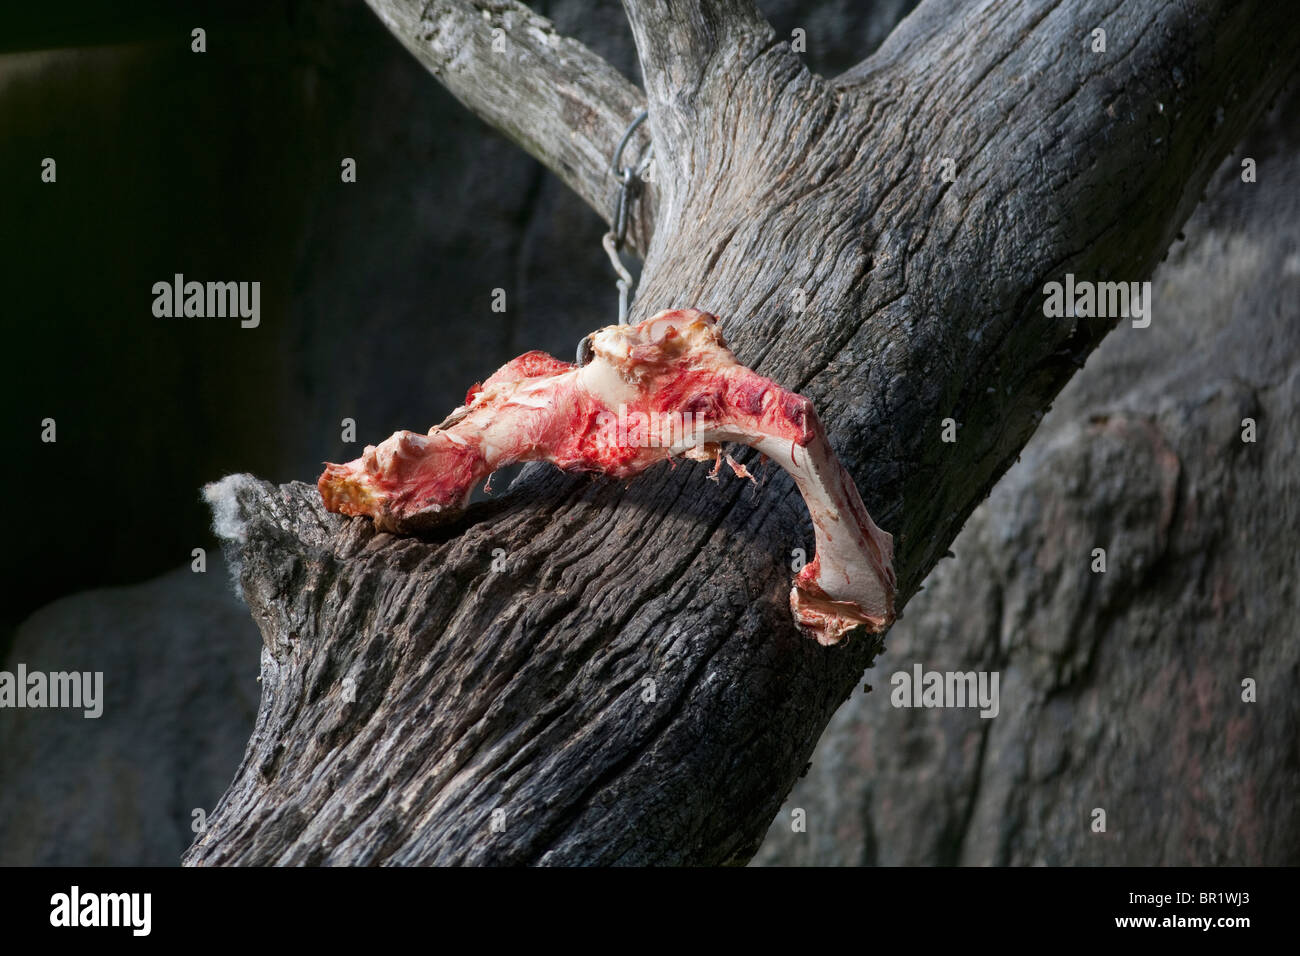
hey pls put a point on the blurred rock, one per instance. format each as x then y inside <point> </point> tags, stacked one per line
<point>180,659</point>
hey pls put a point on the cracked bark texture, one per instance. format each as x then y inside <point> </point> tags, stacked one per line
<point>629,689</point>
<point>1119,690</point>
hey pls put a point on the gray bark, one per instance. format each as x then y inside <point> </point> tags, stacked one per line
<point>1120,690</point>
<point>526,690</point>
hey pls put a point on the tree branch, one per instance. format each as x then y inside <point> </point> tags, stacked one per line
<point>694,54</point>
<point>594,672</point>
<point>563,104</point>
<point>683,43</point>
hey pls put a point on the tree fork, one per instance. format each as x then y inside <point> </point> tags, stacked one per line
<point>587,671</point>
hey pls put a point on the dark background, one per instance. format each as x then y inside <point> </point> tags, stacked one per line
<point>376,305</point>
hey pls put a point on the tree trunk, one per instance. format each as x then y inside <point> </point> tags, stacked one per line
<point>586,671</point>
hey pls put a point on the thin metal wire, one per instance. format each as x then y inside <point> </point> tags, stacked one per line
<point>630,187</point>
<point>626,193</point>
<point>624,277</point>
<point>622,143</point>
<point>629,180</point>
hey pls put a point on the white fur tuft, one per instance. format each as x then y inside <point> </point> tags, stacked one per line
<point>223,496</point>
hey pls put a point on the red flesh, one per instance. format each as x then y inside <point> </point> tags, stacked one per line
<point>675,365</point>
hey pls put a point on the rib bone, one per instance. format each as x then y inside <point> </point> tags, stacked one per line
<point>667,386</point>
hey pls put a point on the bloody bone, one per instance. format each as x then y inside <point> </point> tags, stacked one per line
<point>665,387</point>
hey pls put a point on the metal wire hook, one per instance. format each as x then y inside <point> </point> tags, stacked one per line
<point>629,189</point>
<point>629,179</point>
<point>622,143</point>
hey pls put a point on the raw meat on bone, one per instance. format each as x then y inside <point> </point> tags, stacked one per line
<point>667,386</point>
